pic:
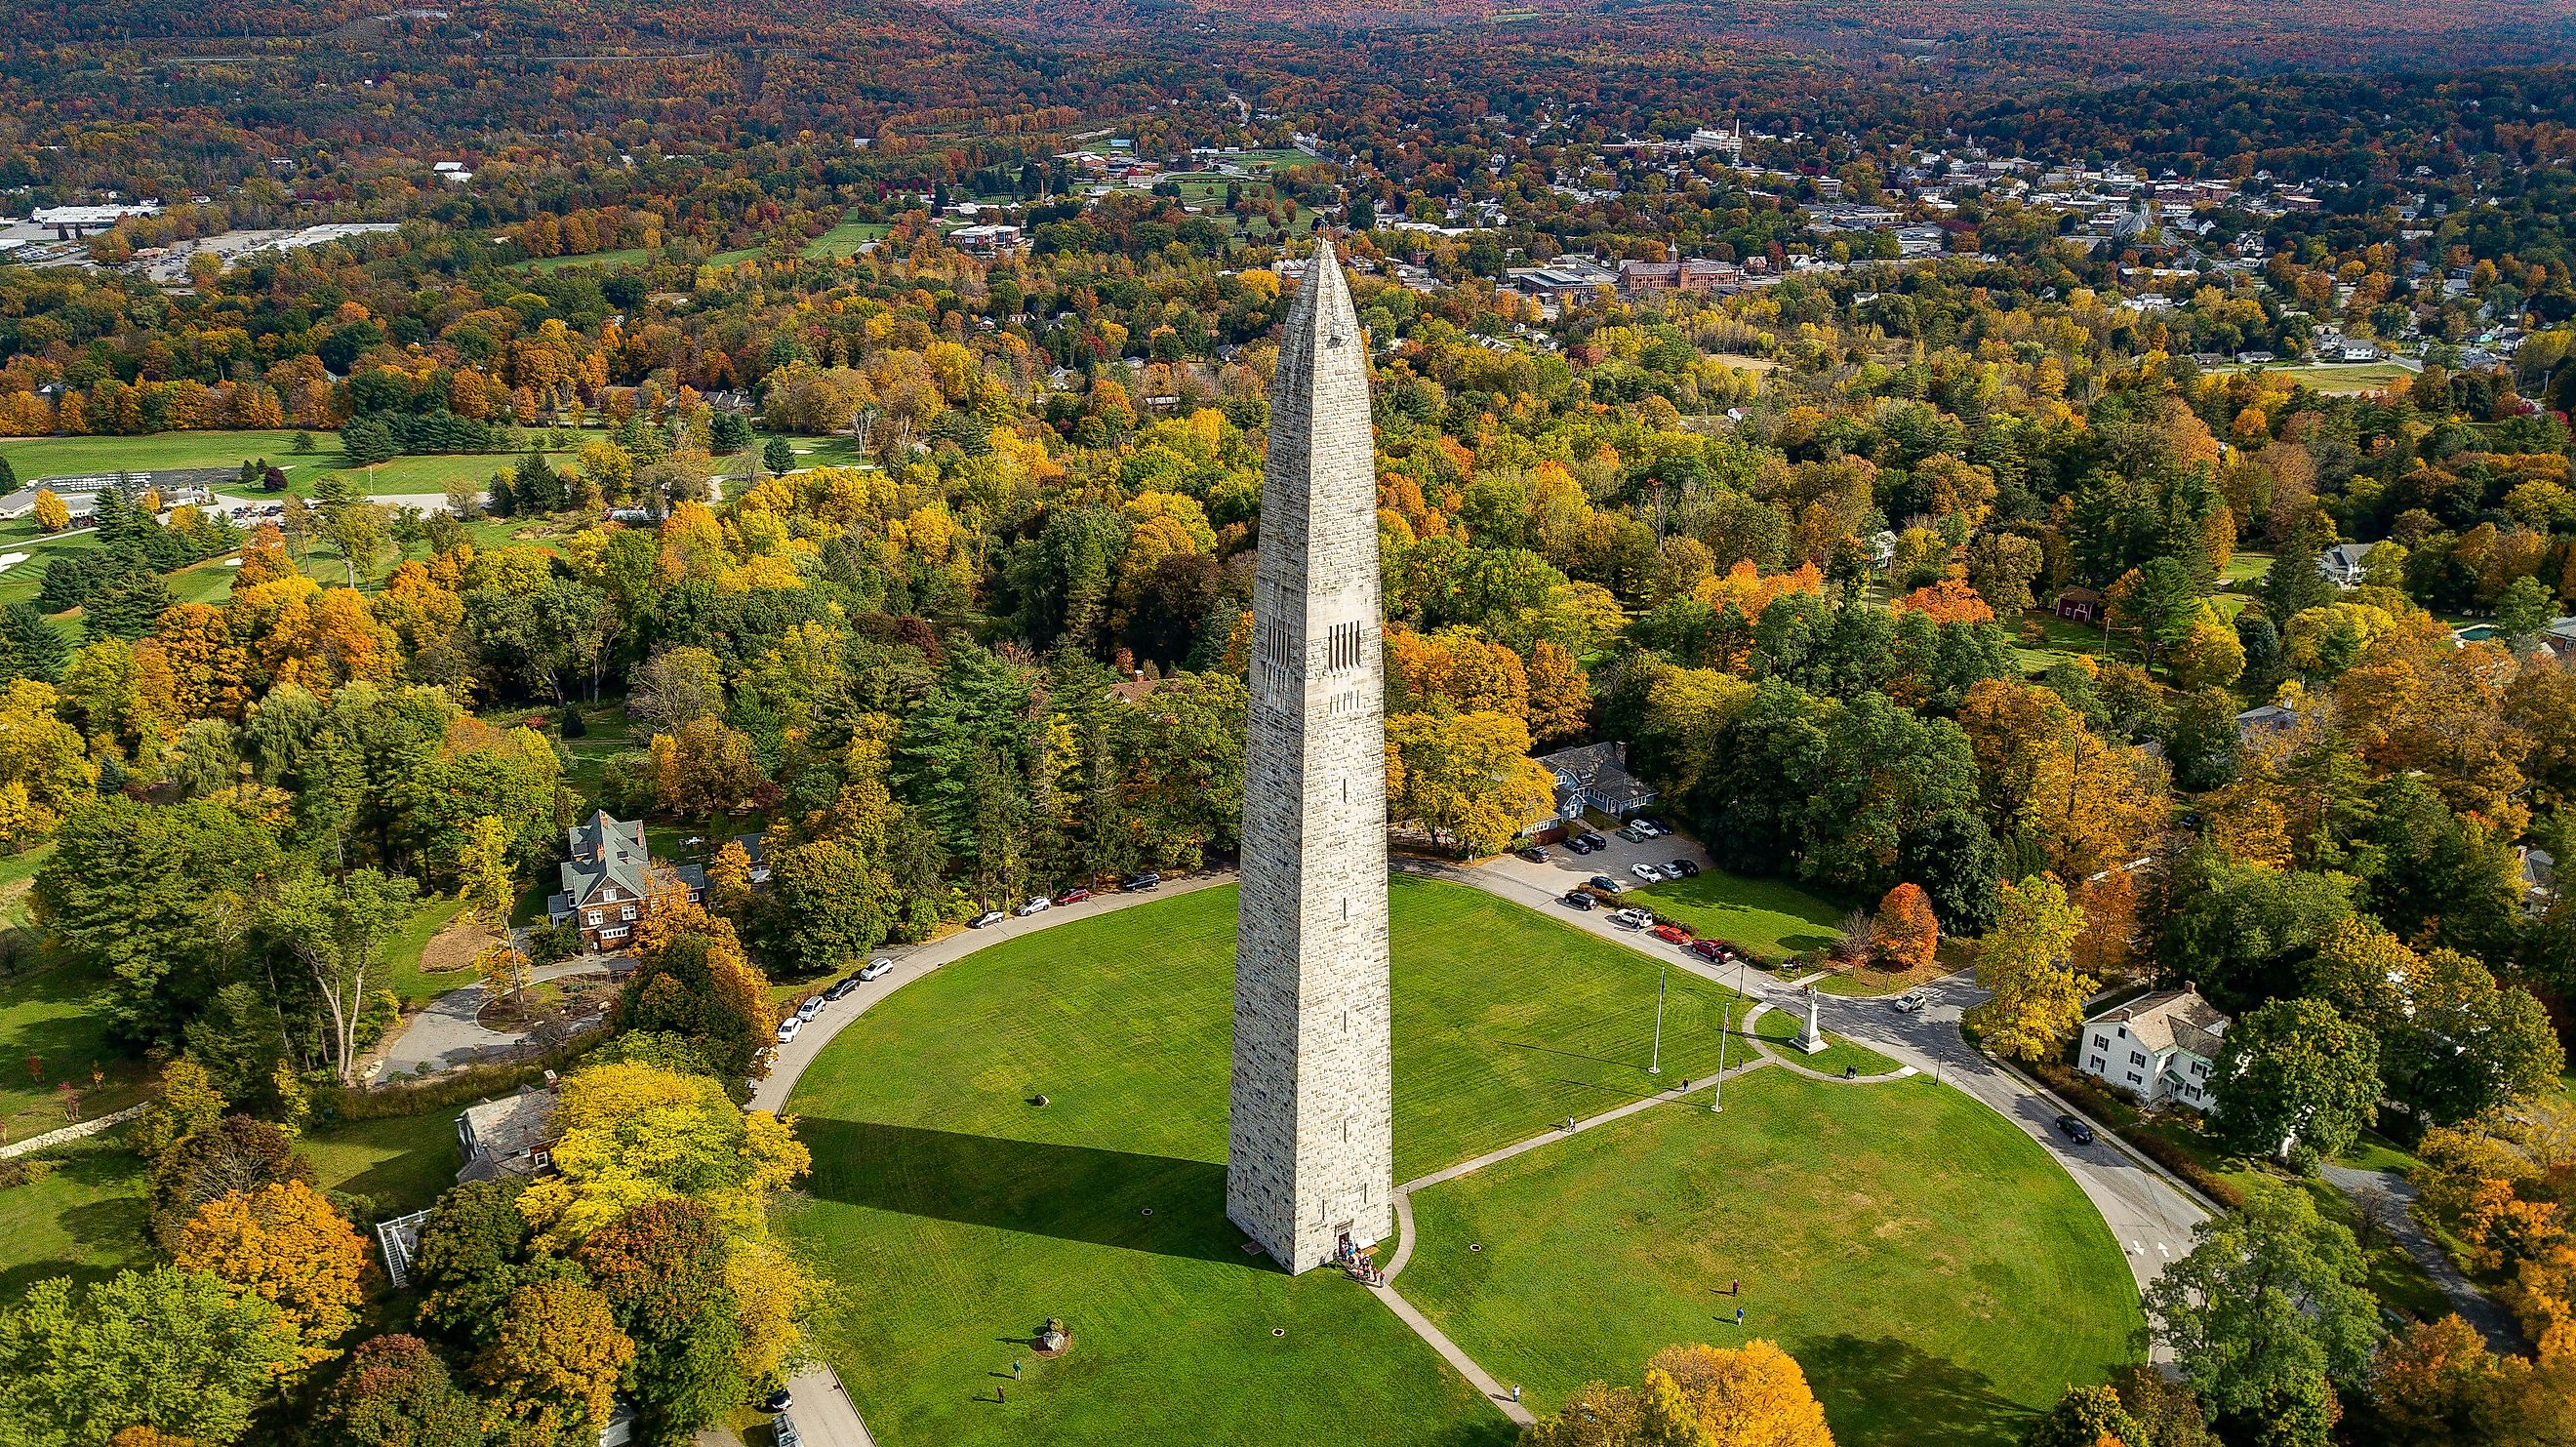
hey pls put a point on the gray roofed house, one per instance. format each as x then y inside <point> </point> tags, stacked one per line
<point>1595,776</point>
<point>507,1136</point>
<point>2346,564</point>
<point>608,881</point>
<point>2162,1046</point>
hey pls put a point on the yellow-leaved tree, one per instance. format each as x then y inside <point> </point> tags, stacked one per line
<point>52,513</point>
<point>2026,963</point>
<point>632,1133</point>
<point>286,1245</point>
<point>1466,778</point>
<point>1696,1396</point>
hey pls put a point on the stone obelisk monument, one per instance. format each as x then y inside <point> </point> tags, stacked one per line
<point>1311,1159</point>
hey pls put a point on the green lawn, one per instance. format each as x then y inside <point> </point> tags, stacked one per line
<point>1935,1274</point>
<point>843,240</point>
<point>415,985</point>
<point>87,1219</point>
<point>625,256</point>
<point>35,457</point>
<point>956,1216</point>
<point>1780,1028</point>
<point>1770,917</point>
<point>90,1217</point>
<point>56,1018</point>
<point>401,1164</point>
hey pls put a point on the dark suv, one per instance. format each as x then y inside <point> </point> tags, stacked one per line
<point>1150,879</point>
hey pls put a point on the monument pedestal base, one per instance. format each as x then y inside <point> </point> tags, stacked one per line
<point>1811,1044</point>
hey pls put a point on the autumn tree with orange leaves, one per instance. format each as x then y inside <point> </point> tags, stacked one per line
<point>1907,932</point>
<point>286,1245</point>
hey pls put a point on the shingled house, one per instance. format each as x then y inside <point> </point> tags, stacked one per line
<point>2160,1048</point>
<point>608,882</point>
<point>1595,776</point>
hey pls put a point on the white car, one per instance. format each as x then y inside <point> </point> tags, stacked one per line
<point>1632,918</point>
<point>1036,903</point>
<point>875,969</point>
<point>1647,872</point>
<point>1908,1003</point>
<point>812,1007</point>
<point>787,1029</point>
<point>988,917</point>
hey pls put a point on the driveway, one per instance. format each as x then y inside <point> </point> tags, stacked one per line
<point>2151,1219</point>
<point>823,1413</point>
<point>2386,1197</point>
<point>446,1033</point>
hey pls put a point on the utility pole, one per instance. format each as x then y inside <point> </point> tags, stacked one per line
<point>1656,1065</point>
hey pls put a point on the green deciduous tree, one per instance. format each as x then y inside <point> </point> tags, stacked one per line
<point>166,1349</point>
<point>2295,1079</point>
<point>2267,1309</point>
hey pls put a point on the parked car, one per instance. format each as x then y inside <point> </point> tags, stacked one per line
<point>1579,844</point>
<point>812,1007</point>
<point>1908,1003</point>
<point>779,1401</point>
<point>1073,896</point>
<point>1647,872</point>
<point>1150,879</point>
<point>783,1433</point>
<point>2075,1130</point>
<point>1577,899</point>
<point>1606,884</point>
<point>787,1029</point>
<point>1596,841</point>
<point>1632,918</point>
<point>1682,869</point>
<point>1656,827</point>
<point>1036,902</point>
<point>1708,950</point>
<point>988,917</point>
<point>1632,834</point>
<point>841,987</point>
<point>1671,934</point>
<point>876,969</point>
<point>1533,854</point>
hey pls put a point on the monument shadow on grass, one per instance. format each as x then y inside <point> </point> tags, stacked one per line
<point>1943,1402</point>
<point>1072,1193</point>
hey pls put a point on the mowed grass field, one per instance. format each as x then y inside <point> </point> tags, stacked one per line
<point>35,457</point>
<point>1772,918</point>
<point>955,1216</point>
<point>1934,1273</point>
<point>1780,1027</point>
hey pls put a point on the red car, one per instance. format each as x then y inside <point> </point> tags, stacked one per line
<point>1073,896</point>
<point>1708,949</point>
<point>1671,934</point>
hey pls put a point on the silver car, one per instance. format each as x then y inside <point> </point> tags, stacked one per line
<point>1647,872</point>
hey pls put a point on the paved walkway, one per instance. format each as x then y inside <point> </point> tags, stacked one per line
<point>448,1033</point>
<point>1422,1325</point>
<point>2388,1198</point>
<point>1771,1052</point>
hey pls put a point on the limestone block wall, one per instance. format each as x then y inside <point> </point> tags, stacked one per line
<point>1311,1155</point>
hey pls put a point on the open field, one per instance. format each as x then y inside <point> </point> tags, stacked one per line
<point>961,1215</point>
<point>2336,379</point>
<point>35,457</point>
<point>957,1214</point>
<point>842,241</point>
<point>1772,918</point>
<point>1935,1274</point>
